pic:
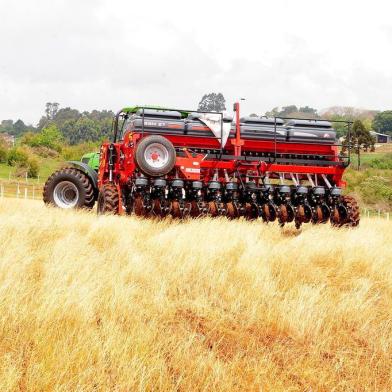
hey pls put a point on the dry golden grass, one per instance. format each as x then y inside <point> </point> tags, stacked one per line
<point>387,147</point>
<point>108,303</point>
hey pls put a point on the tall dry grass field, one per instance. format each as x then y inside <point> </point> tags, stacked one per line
<point>109,303</point>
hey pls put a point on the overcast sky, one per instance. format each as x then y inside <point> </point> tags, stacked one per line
<point>106,54</point>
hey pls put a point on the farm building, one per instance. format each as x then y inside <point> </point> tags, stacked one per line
<point>381,137</point>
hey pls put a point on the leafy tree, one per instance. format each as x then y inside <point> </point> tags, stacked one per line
<point>51,109</point>
<point>43,122</point>
<point>7,126</point>
<point>19,128</point>
<point>65,114</point>
<point>348,113</point>
<point>99,115</point>
<point>273,113</point>
<point>58,116</point>
<point>359,138</point>
<point>75,126</point>
<point>309,110</point>
<point>340,127</point>
<point>83,129</point>
<point>287,110</point>
<point>15,128</point>
<point>106,128</point>
<point>50,137</point>
<point>212,102</point>
<point>367,123</point>
<point>292,111</point>
<point>383,122</point>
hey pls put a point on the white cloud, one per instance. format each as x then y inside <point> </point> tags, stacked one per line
<point>107,54</point>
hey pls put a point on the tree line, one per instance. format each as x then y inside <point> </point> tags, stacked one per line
<point>379,121</point>
<point>76,127</point>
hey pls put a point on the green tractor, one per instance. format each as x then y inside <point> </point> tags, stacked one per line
<point>74,186</point>
<point>92,160</point>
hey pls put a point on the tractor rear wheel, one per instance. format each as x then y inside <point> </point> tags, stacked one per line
<point>69,188</point>
<point>155,155</point>
<point>108,200</point>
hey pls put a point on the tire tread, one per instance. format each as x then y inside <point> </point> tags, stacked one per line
<point>108,199</point>
<point>89,200</point>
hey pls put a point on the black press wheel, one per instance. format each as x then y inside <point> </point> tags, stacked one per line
<point>349,215</point>
<point>69,188</point>
<point>155,155</point>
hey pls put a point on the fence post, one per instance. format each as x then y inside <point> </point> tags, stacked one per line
<point>25,193</point>
<point>387,215</point>
<point>368,214</point>
<point>33,192</point>
<point>17,191</point>
<point>2,191</point>
<point>379,213</point>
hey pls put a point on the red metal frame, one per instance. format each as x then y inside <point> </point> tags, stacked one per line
<point>193,166</point>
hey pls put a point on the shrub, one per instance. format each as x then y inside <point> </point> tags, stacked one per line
<point>24,161</point>
<point>28,138</point>
<point>31,168</point>
<point>74,153</point>
<point>17,156</point>
<point>3,154</point>
<point>377,189</point>
<point>45,152</point>
<point>384,162</point>
<point>50,137</point>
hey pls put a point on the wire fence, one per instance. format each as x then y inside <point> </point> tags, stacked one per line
<point>376,213</point>
<point>12,176</point>
<point>21,190</point>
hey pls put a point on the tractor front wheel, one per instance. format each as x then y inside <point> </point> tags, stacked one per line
<point>69,188</point>
<point>108,200</point>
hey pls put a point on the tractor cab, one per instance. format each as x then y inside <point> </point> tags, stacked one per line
<point>92,160</point>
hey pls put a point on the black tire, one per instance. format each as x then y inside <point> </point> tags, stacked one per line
<point>108,200</point>
<point>145,166</point>
<point>69,188</point>
<point>353,214</point>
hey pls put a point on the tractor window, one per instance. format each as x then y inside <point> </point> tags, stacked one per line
<point>122,126</point>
